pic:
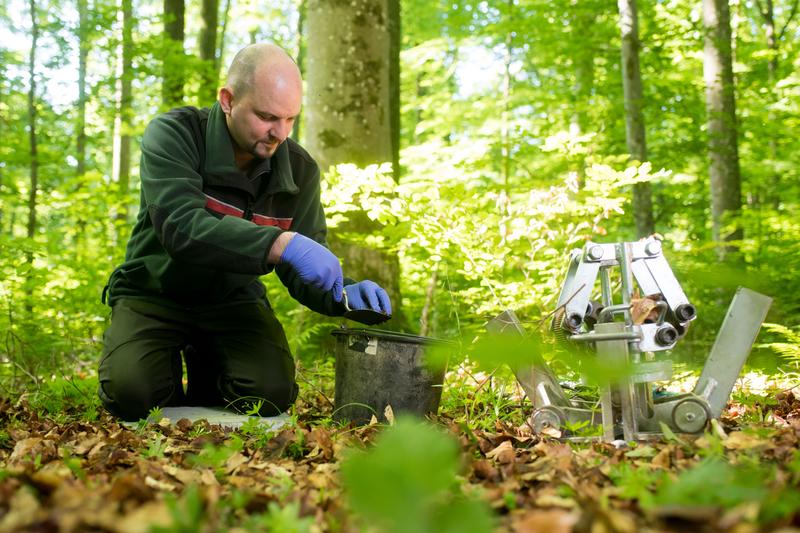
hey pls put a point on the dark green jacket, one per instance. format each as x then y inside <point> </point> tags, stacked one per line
<point>204,230</point>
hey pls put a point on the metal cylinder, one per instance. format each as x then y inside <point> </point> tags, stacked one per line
<point>690,415</point>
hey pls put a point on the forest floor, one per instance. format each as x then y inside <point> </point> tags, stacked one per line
<point>67,466</point>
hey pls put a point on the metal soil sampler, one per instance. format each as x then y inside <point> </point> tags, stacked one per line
<point>628,409</point>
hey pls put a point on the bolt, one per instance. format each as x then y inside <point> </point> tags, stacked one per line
<point>596,252</point>
<point>653,248</point>
<point>574,321</point>
<point>685,312</point>
<point>689,417</point>
<point>666,335</point>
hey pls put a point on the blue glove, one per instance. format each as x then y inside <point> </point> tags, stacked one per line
<point>315,264</point>
<point>367,295</point>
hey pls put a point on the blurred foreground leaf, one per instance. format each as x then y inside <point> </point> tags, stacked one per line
<point>407,483</point>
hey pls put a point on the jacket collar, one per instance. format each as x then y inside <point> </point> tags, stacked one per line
<point>220,167</point>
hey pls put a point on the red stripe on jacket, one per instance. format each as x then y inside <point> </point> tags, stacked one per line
<point>222,208</point>
<point>263,220</point>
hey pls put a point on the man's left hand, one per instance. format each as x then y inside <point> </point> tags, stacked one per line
<point>367,295</point>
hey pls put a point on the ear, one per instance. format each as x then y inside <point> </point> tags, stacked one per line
<point>225,100</point>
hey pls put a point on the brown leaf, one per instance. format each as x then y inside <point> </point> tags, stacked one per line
<point>235,461</point>
<point>51,475</point>
<point>745,441</point>
<point>32,448</point>
<point>159,485</point>
<point>545,521</point>
<point>663,459</point>
<point>503,454</point>
<point>643,309</point>
<point>483,469</point>
<point>323,476</point>
<point>23,510</point>
<point>129,486</point>
<point>694,513</point>
<point>142,519</point>
<point>184,424</point>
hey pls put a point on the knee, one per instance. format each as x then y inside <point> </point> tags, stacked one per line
<point>130,395</point>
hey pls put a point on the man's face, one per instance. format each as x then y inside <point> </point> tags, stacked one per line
<point>263,118</point>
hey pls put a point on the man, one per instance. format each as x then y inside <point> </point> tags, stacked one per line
<point>226,197</point>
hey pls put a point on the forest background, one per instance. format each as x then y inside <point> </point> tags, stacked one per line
<point>469,147</point>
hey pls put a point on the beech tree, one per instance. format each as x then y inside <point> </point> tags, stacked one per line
<point>723,152</point>
<point>349,63</point>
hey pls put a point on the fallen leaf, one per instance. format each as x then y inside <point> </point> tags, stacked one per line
<point>503,454</point>
<point>541,521</point>
<point>388,413</point>
<point>22,511</point>
<point>235,461</point>
<point>663,459</point>
<point>643,309</point>
<point>144,518</point>
<point>483,469</point>
<point>739,440</point>
<point>159,485</point>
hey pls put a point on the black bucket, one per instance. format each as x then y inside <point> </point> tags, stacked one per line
<point>376,368</point>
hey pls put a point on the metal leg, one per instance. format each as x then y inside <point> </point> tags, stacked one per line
<point>734,341</point>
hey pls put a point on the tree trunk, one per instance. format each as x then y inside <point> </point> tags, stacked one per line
<point>634,118</point>
<point>208,52</point>
<point>173,64</point>
<point>32,135</point>
<point>349,116</point>
<point>725,181</point>
<point>395,41</point>
<point>34,154</point>
<point>221,46</point>
<point>83,55</point>
<point>300,58</point>
<point>122,123</point>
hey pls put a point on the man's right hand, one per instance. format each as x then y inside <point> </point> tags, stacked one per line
<point>314,264</point>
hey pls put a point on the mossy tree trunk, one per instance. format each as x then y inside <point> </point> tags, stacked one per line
<point>351,117</point>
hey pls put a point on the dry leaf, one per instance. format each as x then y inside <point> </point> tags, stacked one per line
<point>663,458</point>
<point>643,309</point>
<point>159,485</point>
<point>545,521</point>
<point>744,441</point>
<point>388,413</point>
<point>503,454</point>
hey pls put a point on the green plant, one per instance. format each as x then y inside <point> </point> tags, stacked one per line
<point>186,511</point>
<point>281,518</point>
<point>214,457</point>
<point>155,446</point>
<point>407,483</point>
<point>257,433</point>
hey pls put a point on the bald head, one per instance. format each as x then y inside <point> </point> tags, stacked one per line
<point>260,101</point>
<point>262,63</point>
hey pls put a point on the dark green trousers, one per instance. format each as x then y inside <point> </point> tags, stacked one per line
<point>235,354</point>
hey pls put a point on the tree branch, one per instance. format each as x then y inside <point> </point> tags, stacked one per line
<point>788,20</point>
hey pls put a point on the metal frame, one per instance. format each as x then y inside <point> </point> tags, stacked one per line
<point>628,409</point>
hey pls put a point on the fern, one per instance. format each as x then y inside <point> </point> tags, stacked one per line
<point>790,348</point>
